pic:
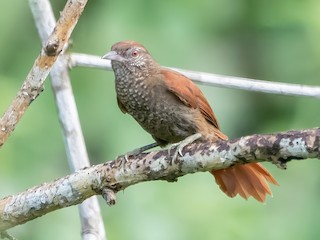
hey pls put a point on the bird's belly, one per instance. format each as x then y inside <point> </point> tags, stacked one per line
<point>159,112</point>
<point>167,124</point>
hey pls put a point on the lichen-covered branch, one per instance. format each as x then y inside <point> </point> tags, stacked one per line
<point>85,60</point>
<point>110,177</point>
<point>32,85</point>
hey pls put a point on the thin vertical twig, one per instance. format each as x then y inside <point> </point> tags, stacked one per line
<point>91,220</point>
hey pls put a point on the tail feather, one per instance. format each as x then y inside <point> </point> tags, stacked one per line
<point>243,188</point>
<point>227,185</point>
<point>265,173</point>
<point>246,180</point>
<point>259,182</point>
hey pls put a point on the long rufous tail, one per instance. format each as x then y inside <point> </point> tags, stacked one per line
<point>246,180</point>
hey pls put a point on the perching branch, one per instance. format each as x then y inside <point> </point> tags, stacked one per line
<point>50,51</point>
<point>108,178</point>
<point>84,60</point>
<point>91,220</point>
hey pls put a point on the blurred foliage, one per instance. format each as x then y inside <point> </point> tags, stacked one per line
<point>271,40</point>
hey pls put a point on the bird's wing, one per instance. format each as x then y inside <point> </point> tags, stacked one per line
<point>189,94</point>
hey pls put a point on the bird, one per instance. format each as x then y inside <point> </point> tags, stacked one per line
<point>171,108</point>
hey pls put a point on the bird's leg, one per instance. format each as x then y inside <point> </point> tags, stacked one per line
<point>141,149</point>
<point>124,158</point>
<point>180,145</point>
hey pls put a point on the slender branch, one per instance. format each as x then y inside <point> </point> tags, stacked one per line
<point>91,220</point>
<point>32,85</point>
<point>111,177</point>
<point>84,60</point>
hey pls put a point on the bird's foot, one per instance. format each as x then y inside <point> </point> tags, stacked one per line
<point>124,158</point>
<point>180,145</point>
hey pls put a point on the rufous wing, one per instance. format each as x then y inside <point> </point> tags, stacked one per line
<point>189,94</point>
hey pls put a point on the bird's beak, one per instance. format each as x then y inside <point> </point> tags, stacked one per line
<point>114,56</point>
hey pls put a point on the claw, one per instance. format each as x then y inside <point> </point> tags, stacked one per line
<point>180,151</point>
<point>182,144</point>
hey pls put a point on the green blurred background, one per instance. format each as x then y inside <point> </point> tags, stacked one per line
<point>271,40</point>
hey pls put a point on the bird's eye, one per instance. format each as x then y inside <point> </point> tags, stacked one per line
<point>135,53</point>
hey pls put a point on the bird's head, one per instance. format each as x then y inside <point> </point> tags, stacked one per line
<point>131,55</point>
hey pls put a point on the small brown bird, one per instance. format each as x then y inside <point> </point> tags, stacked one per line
<point>171,108</point>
